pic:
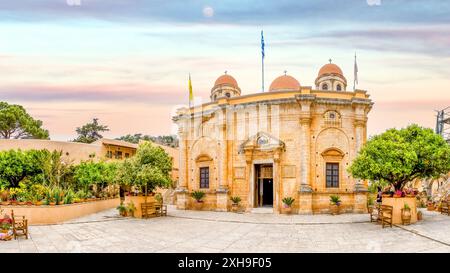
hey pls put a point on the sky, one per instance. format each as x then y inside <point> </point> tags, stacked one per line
<point>127,62</point>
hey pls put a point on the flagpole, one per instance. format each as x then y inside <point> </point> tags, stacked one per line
<point>262,60</point>
<point>355,74</point>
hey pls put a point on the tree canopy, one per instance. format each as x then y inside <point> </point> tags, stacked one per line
<point>16,123</point>
<point>90,132</point>
<point>88,173</point>
<point>399,156</point>
<point>149,168</point>
<point>168,140</point>
<point>16,165</point>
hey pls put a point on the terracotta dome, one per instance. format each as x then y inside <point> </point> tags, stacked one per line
<point>284,82</point>
<point>330,69</point>
<point>226,79</point>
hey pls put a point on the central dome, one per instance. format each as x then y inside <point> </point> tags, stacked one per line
<point>226,79</point>
<point>285,83</point>
<point>330,69</point>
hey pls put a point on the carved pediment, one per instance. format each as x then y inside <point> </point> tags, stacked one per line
<point>333,152</point>
<point>262,142</point>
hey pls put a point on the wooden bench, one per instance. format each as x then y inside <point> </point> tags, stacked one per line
<point>386,213</point>
<point>148,210</point>
<point>444,207</point>
<point>19,225</point>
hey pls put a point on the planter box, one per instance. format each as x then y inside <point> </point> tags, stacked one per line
<point>138,200</point>
<point>46,215</point>
<point>398,203</point>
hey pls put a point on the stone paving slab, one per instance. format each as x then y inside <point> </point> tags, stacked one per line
<point>222,232</point>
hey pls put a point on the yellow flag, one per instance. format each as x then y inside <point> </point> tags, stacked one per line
<point>191,95</point>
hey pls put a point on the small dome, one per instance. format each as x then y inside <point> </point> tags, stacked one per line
<point>227,80</point>
<point>330,69</point>
<point>284,83</point>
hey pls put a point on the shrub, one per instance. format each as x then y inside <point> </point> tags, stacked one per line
<point>335,199</point>
<point>235,199</point>
<point>198,195</point>
<point>288,201</point>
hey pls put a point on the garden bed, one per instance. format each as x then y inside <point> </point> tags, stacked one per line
<point>398,203</point>
<point>138,201</point>
<point>45,215</point>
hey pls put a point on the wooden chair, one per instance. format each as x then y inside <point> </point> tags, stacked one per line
<point>386,213</point>
<point>161,209</point>
<point>19,225</point>
<point>445,205</point>
<point>148,210</point>
<point>374,213</point>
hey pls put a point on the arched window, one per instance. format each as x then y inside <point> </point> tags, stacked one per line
<point>215,97</point>
<point>324,86</point>
<point>227,94</point>
<point>338,87</point>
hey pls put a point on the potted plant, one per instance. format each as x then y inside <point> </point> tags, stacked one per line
<point>122,209</point>
<point>5,227</point>
<point>287,204</point>
<point>398,194</point>
<point>406,215</point>
<point>198,196</point>
<point>335,202</point>
<point>131,208</point>
<point>430,205</point>
<point>235,203</point>
<point>419,215</point>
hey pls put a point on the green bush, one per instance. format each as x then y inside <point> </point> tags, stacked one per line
<point>288,201</point>
<point>335,199</point>
<point>235,199</point>
<point>198,195</point>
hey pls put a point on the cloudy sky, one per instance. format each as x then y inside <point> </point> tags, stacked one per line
<point>126,62</point>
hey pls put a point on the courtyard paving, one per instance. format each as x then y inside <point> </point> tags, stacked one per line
<point>194,231</point>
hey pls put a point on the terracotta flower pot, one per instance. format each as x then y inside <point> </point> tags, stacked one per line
<point>419,216</point>
<point>287,209</point>
<point>198,205</point>
<point>334,209</point>
<point>52,203</point>
<point>38,203</point>
<point>234,207</point>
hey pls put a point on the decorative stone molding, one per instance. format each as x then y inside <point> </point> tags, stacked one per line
<point>305,188</point>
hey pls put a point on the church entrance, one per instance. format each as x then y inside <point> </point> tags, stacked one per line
<point>263,185</point>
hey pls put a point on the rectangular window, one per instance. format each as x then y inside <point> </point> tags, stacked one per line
<point>109,154</point>
<point>118,155</point>
<point>332,175</point>
<point>204,177</point>
<point>127,155</point>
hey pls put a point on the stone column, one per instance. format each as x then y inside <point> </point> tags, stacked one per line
<point>249,180</point>
<point>360,202</point>
<point>359,124</point>
<point>222,190</point>
<point>305,191</point>
<point>182,188</point>
<point>276,182</point>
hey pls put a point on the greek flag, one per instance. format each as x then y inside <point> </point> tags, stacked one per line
<point>262,44</point>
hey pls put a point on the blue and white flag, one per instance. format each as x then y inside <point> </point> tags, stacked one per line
<point>262,44</point>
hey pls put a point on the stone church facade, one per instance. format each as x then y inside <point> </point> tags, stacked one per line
<point>292,141</point>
